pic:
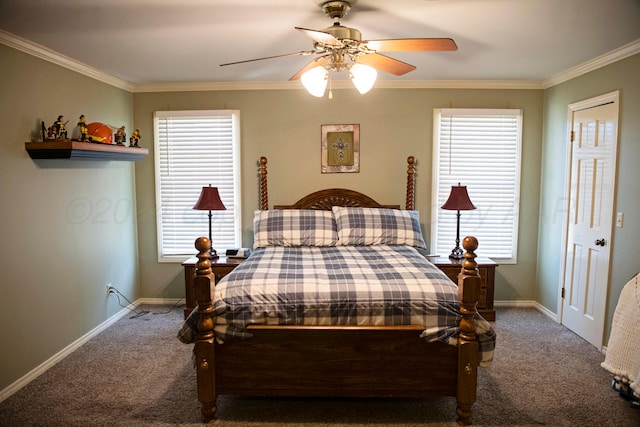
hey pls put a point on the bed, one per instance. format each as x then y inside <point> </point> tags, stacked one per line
<point>340,349</point>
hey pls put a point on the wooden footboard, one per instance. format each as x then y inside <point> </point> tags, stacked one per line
<point>342,361</point>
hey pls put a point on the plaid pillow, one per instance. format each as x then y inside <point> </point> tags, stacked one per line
<point>374,226</point>
<point>294,227</point>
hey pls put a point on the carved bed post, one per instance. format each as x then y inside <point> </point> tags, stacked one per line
<point>468,293</point>
<point>264,194</point>
<point>204,347</point>
<point>411,183</point>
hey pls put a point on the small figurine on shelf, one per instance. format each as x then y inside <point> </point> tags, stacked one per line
<point>135,137</point>
<point>59,130</point>
<point>82,126</point>
<point>121,136</point>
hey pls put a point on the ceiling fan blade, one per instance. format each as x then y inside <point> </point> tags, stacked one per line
<point>319,61</point>
<point>320,37</point>
<point>406,45</point>
<point>304,52</point>
<point>385,63</point>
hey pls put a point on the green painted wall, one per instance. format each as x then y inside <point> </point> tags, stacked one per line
<point>284,126</point>
<point>68,227</point>
<point>623,76</point>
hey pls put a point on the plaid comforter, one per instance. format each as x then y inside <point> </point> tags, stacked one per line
<point>344,285</point>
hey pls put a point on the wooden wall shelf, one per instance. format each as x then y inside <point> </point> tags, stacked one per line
<point>77,150</point>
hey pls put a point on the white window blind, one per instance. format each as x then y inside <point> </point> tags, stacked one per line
<point>192,150</point>
<point>479,148</point>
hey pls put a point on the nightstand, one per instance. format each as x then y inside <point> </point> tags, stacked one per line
<point>220,267</point>
<point>487,270</point>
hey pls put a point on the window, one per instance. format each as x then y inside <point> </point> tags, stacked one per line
<point>192,150</point>
<point>479,148</point>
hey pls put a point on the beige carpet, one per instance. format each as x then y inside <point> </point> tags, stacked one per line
<point>136,373</point>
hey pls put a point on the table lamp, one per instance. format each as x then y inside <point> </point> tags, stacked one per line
<point>458,201</point>
<point>210,201</point>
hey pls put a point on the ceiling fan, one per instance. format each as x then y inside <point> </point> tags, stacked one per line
<point>340,48</point>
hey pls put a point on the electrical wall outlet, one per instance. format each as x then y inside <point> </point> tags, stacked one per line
<point>109,289</point>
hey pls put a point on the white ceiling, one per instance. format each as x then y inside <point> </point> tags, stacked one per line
<point>170,41</point>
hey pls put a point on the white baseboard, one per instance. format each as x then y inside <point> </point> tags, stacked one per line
<point>158,301</point>
<point>44,366</point>
<point>529,304</point>
<point>518,303</point>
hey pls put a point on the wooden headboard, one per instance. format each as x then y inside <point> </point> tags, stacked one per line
<point>325,199</point>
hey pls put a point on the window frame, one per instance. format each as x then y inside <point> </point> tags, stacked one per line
<point>199,219</point>
<point>472,220</point>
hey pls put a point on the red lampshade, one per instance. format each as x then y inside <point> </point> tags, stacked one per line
<point>458,199</point>
<point>209,200</point>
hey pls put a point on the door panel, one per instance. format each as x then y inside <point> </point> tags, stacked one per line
<point>590,220</point>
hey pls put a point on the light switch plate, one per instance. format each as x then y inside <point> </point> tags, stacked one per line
<point>619,219</point>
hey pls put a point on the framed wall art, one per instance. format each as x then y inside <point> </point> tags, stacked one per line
<point>340,148</point>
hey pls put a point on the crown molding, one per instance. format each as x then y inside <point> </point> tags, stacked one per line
<point>54,57</point>
<point>341,84</point>
<point>208,86</point>
<point>458,84</point>
<point>615,55</point>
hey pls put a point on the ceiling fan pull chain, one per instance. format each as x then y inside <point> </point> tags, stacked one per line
<point>330,91</point>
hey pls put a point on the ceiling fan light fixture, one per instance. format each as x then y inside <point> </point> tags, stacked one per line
<point>339,48</point>
<point>315,81</point>
<point>363,77</point>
